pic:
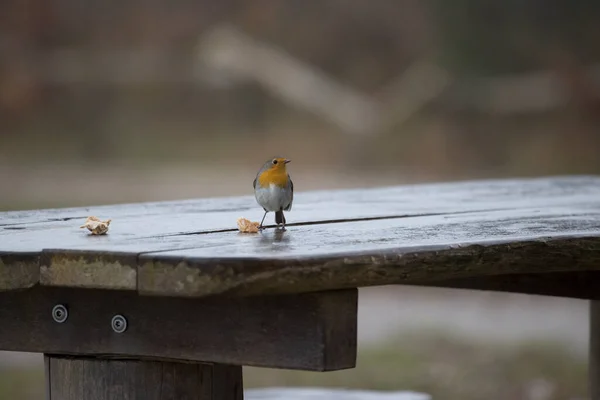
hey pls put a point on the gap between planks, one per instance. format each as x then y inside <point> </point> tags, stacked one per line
<point>325,222</point>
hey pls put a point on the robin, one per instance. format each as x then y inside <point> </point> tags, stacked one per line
<point>274,190</point>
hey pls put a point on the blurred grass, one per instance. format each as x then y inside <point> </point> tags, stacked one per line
<point>21,384</point>
<point>451,368</point>
<point>432,362</point>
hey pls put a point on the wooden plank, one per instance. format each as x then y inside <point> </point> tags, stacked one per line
<point>97,379</point>
<point>230,262</point>
<point>18,271</point>
<point>83,269</point>
<point>502,224</point>
<point>227,382</point>
<point>571,216</point>
<point>381,251</point>
<point>398,234</point>
<point>35,230</point>
<point>14,220</point>
<point>369,253</point>
<point>427,265</point>
<point>308,331</point>
<point>583,285</point>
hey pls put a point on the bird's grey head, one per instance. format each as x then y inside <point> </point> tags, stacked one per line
<point>275,162</point>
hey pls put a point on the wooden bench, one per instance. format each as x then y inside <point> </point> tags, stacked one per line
<point>174,300</point>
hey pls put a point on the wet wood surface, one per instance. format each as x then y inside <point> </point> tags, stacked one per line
<point>433,234</point>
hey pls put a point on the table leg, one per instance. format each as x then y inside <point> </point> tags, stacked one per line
<point>594,356</point>
<point>76,378</point>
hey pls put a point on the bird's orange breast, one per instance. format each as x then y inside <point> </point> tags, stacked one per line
<point>276,176</point>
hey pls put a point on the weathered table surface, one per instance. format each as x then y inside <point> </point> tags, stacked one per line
<point>338,239</point>
<point>188,261</point>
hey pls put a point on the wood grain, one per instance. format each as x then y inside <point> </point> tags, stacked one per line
<point>189,274</point>
<point>308,331</point>
<point>97,379</point>
<point>583,285</point>
<point>84,269</point>
<point>18,271</point>
<point>350,254</point>
<point>59,228</point>
<point>339,239</point>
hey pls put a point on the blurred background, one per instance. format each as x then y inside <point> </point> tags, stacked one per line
<point>120,101</point>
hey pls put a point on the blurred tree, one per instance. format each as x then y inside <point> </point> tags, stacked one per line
<point>487,37</point>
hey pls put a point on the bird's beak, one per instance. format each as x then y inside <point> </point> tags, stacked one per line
<point>287,161</point>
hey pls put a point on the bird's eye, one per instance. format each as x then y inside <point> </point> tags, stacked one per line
<point>274,161</point>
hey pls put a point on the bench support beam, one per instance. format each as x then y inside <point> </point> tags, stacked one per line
<point>311,331</point>
<point>78,378</point>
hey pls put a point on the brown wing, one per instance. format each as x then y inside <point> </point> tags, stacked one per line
<point>289,206</point>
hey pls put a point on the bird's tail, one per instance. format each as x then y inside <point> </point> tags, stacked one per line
<point>279,218</point>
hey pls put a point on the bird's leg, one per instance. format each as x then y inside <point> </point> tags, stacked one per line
<point>281,223</point>
<point>263,220</point>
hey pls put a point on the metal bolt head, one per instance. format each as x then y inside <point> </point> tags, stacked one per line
<point>118,323</point>
<point>60,313</point>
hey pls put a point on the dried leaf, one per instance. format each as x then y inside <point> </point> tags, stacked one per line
<point>247,226</point>
<point>96,226</point>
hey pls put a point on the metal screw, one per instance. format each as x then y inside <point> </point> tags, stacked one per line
<point>119,323</point>
<point>60,313</point>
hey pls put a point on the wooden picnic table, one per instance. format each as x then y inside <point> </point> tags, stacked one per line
<point>174,300</point>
